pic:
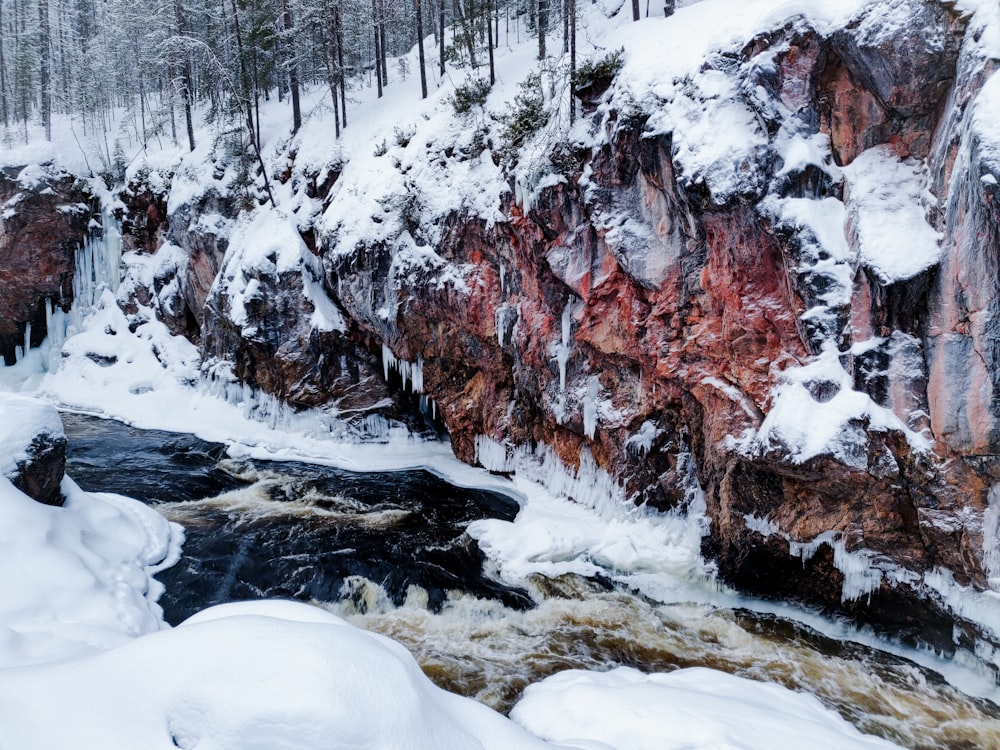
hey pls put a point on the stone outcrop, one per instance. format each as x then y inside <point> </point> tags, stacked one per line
<point>46,216</point>
<point>32,447</point>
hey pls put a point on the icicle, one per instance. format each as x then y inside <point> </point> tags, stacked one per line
<point>388,361</point>
<point>861,576</point>
<point>503,285</point>
<point>411,373</point>
<point>98,267</point>
<point>562,356</point>
<point>991,538</point>
<point>418,375</point>
<point>590,408</point>
<point>27,336</point>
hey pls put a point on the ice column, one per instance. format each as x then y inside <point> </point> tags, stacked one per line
<point>562,355</point>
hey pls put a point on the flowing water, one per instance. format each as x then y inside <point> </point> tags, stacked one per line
<point>388,552</point>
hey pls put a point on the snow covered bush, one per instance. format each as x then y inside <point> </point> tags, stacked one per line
<point>471,93</point>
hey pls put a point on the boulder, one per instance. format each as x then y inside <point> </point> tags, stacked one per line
<point>32,447</point>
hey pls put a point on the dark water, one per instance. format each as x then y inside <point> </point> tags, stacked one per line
<point>279,529</point>
<point>149,465</point>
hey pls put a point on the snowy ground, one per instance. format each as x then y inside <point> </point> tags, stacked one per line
<point>80,634</point>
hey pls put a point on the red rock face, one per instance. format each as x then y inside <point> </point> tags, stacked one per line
<point>577,337</point>
<point>43,224</point>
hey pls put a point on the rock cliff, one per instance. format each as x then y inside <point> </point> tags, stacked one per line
<point>45,216</point>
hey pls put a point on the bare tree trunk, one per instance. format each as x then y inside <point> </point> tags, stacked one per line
<point>339,18</point>
<point>170,94</point>
<point>331,64</point>
<point>382,45</point>
<point>572,60</point>
<point>336,103</point>
<point>489,40</point>
<point>293,72</point>
<point>565,17</point>
<point>185,75</point>
<point>441,34</point>
<point>3,75</point>
<point>420,47</point>
<point>543,23</point>
<point>635,10</point>
<point>378,41</point>
<point>45,66</point>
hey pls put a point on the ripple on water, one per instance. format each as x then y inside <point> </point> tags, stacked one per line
<point>487,651</point>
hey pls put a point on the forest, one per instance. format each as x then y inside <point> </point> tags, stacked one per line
<point>131,71</point>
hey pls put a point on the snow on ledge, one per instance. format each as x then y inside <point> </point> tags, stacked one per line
<point>816,411</point>
<point>886,215</point>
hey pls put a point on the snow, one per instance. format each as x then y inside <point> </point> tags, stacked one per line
<point>716,135</point>
<point>23,419</point>
<point>802,426</point>
<point>886,203</point>
<point>267,243</point>
<point>625,709</point>
<point>986,122</point>
<point>984,26</point>
<point>577,521</point>
<point>799,151</point>
<point>77,578</point>
<point>311,681</point>
<point>822,241</point>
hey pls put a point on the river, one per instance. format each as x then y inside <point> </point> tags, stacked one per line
<point>388,552</point>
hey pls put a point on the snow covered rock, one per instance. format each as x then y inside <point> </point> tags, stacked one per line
<point>45,215</point>
<point>32,447</point>
<point>690,708</point>
<point>77,578</point>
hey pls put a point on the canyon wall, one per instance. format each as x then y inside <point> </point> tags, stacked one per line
<point>45,216</point>
<point>774,287</point>
<point>674,318</point>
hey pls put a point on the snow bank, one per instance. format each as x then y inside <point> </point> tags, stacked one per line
<point>691,708</point>
<point>254,676</point>
<point>78,578</point>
